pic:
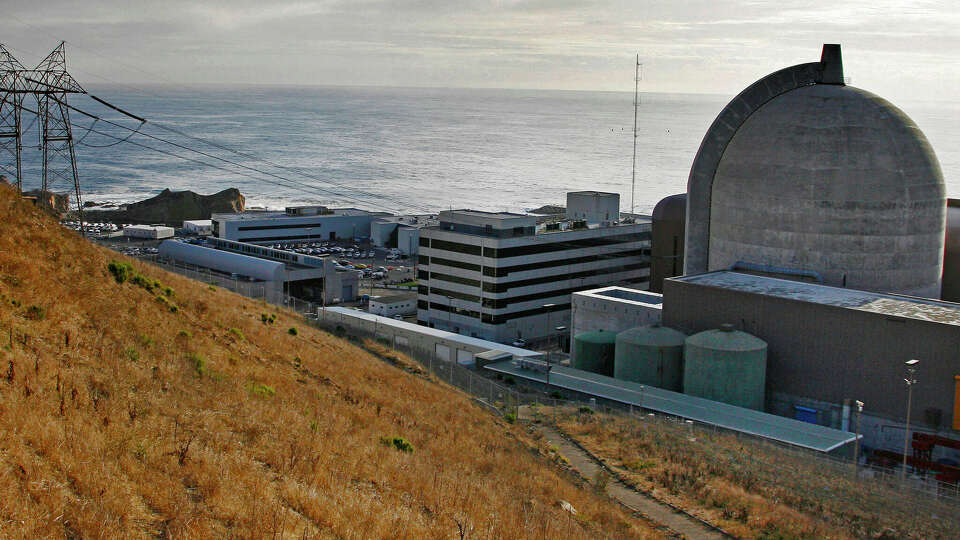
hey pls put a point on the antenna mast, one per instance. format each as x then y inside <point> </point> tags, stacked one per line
<point>636,103</point>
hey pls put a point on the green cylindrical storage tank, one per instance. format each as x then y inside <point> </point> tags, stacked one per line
<point>726,365</point>
<point>650,355</point>
<point>594,351</point>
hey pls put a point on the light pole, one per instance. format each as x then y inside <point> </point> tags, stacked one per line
<point>910,380</point>
<point>549,308</point>
<point>856,442</point>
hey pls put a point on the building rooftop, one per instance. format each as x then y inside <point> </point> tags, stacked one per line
<point>625,295</point>
<point>482,214</point>
<point>394,298</point>
<point>760,424</point>
<point>257,214</point>
<point>910,307</point>
<point>594,193</point>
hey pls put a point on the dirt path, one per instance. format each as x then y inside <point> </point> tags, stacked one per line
<point>653,510</point>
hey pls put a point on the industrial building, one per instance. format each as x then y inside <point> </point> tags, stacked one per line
<point>424,342</point>
<point>395,304</point>
<point>666,253</point>
<point>281,273</point>
<point>501,276</point>
<point>199,227</point>
<point>148,232</point>
<point>828,346</point>
<point>951,253</point>
<point>295,224</point>
<point>401,232</point>
<point>802,175</point>
<point>612,309</point>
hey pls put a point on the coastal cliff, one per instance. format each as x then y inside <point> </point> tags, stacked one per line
<point>172,208</point>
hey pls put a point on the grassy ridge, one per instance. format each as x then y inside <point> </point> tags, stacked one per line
<point>754,489</point>
<point>121,417</point>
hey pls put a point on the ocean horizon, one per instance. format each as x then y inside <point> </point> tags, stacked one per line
<point>404,149</point>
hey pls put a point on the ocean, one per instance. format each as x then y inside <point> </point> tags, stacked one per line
<point>410,149</point>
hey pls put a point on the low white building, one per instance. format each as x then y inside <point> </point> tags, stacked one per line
<point>295,224</point>
<point>199,227</point>
<point>148,232</point>
<point>396,304</point>
<point>614,309</point>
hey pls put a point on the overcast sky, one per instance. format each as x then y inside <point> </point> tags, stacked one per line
<point>906,49</point>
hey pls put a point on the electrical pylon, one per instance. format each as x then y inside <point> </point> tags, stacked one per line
<point>12,91</point>
<point>51,84</point>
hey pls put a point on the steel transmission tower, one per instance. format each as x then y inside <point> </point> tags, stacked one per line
<point>51,84</point>
<point>12,91</point>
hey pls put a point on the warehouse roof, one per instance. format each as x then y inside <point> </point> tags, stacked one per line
<point>427,331</point>
<point>910,307</point>
<point>705,411</point>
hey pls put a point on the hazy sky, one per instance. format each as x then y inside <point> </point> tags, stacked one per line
<point>905,49</point>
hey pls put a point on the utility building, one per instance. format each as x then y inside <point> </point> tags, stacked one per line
<point>500,276</point>
<point>828,346</point>
<point>295,224</point>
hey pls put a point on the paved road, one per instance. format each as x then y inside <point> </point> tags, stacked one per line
<point>636,501</point>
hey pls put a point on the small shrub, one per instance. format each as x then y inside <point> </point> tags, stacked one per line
<point>262,390</point>
<point>314,426</point>
<point>510,417</point>
<point>238,334</point>
<point>121,271</point>
<point>339,331</point>
<point>211,287</point>
<point>132,354</point>
<point>199,364</point>
<point>264,318</point>
<point>145,340</point>
<point>398,443</point>
<point>292,331</point>
<point>556,394</point>
<point>143,282</point>
<point>36,313</point>
<point>168,291</point>
<point>585,410</point>
<point>383,340</point>
<point>184,334</point>
<point>509,379</point>
<point>273,318</point>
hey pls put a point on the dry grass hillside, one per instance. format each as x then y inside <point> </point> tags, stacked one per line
<point>755,489</point>
<point>174,410</point>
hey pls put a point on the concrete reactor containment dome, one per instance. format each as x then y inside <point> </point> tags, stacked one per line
<point>667,232</point>
<point>650,355</point>
<point>726,365</point>
<point>801,175</point>
<point>594,352</point>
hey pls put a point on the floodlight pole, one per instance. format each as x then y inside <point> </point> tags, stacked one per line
<point>910,380</point>
<point>856,441</point>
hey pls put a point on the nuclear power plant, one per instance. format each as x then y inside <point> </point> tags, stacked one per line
<point>809,260</point>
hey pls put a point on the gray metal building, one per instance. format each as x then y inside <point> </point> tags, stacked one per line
<point>829,346</point>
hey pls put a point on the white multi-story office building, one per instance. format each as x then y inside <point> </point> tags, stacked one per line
<point>295,224</point>
<point>502,277</point>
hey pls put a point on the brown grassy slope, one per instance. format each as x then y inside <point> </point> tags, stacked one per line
<point>755,489</point>
<point>120,418</point>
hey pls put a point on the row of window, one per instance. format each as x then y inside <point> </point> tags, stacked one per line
<point>503,271</point>
<point>273,227</point>
<point>504,287</point>
<point>501,303</point>
<point>532,249</point>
